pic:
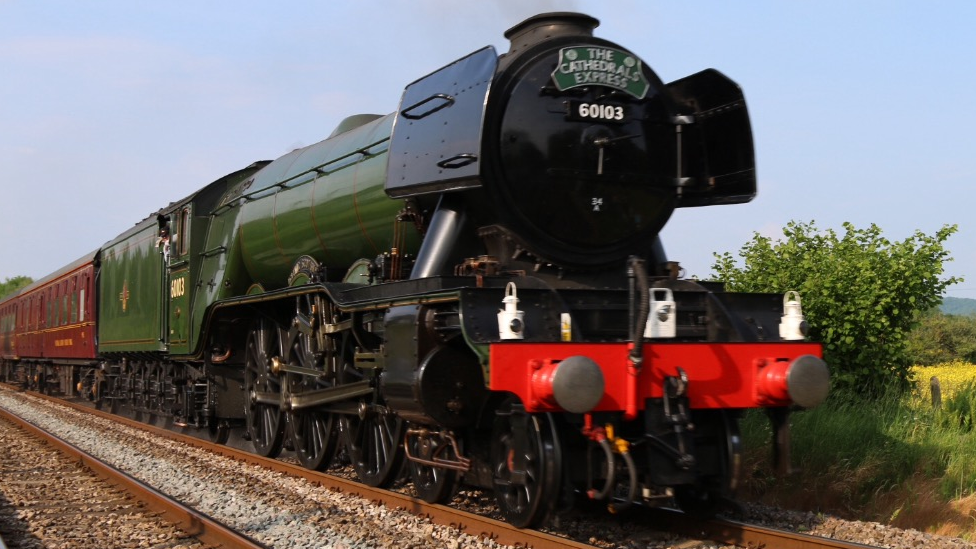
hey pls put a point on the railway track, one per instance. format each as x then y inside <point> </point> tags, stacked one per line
<point>66,497</point>
<point>723,532</point>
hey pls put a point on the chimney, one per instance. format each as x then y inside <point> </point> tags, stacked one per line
<point>544,26</point>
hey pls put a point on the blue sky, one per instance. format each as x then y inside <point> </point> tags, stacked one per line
<point>862,111</point>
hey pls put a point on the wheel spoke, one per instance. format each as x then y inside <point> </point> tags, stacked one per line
<point>314,434</point>
<point>379,445</point>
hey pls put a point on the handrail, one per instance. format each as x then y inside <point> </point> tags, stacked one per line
<point>363,152</point>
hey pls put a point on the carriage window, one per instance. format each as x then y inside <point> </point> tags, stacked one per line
<point>74,300</point>
<point>81,303</point>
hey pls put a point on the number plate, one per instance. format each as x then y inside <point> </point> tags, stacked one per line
<point>596,112</point>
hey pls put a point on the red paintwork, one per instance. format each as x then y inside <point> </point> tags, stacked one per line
<point>720,375</point>
<point>771,383</point>
<point>55,318</point>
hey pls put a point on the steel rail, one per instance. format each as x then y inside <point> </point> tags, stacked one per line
<point>744,535</point>
<point>750,535</point>
<point>189,520</point>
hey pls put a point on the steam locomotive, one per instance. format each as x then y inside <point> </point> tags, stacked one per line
<point>470,289</point>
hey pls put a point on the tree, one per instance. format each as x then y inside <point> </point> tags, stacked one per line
<point>859,291</point>
<point>940,338</point>
<point>11,285</point>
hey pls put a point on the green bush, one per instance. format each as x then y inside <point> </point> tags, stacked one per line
<point>860,292</point>
<point>940,338</point>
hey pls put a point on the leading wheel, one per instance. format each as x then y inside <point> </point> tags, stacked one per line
<point>719,452</point>
<point>526,465</point>
<point>262,390</point>
<point>433,484</point>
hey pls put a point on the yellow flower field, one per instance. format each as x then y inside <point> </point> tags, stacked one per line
<point>952,376</point>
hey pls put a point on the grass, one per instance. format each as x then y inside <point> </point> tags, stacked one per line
<point>896,460</point>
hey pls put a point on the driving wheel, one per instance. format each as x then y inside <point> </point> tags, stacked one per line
<point>262,389</point>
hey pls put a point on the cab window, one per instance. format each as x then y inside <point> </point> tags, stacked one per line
<point>183,232</point>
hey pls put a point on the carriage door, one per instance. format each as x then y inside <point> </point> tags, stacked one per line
<point>179,283</point>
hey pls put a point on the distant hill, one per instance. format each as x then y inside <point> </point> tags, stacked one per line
<point>958,306</point>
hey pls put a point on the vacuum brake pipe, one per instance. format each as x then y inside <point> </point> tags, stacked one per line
<point>636,272</point>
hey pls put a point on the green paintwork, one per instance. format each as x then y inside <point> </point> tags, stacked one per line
<point>179,290</point>
<point>244,233</point>
<point>326,201</point>
<point>213,264</point>
<point>148,305</point>
<point>179,281</point>
<point>131,283</point>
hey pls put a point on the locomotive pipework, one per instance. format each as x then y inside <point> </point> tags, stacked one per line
<point>474,284</point>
